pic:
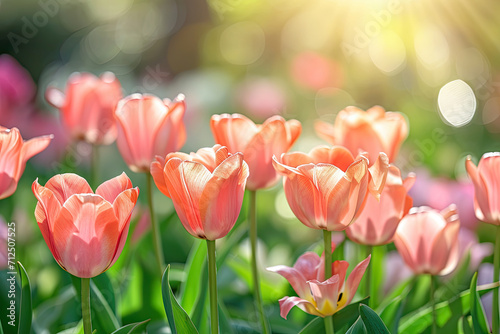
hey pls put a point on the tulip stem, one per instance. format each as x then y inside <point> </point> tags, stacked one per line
<point>327,238</point>
<point>496,274</point>
<point>155,228</point>
<point>433,302</point>
<point>94,167</point>
<point>255,274</point>
<point>368,278</point>
<point>212,282</point>
<point>87,321</point>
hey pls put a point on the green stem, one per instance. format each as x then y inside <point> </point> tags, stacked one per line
<point>212,282</point>
<point>87,321</point>
<point>327,238</point>
<point>94,168</point>
<point>368,277</point>
<point>255,274</point>
<point>496,274</point>
<point>433,302</point>
<point>156,231</point>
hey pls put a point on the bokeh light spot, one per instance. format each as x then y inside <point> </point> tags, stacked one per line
<point>242,43</point>
<point>388,52</point>
<point>457,103</point>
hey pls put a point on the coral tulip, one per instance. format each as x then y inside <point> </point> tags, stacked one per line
<point>206,188</point>
<point>486,187</point>
<point>372,131</point>
<point>318,295</point>
<point>258,143</point>
<point>428,240</point>
<point>14,153</point>
<point>85,232</point>
<point>327,188</point>
<point>88,105</point>
<point>147,127</point>
<point>379,220</point>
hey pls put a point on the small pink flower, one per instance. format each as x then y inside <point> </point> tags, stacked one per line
<point>318,295</point>
<point>428,240</point>
<point>87,106</point>
<point>485,178</point>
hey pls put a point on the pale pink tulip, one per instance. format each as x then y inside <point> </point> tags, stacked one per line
<point>147,127</point>
<point>485,178</point>
<point>428,240</point>
<point>87,106</point>
<point>317,294</point>
<point>327,188</point>
<point>372,131</point>
<point>85,232</point>
<point>14,153</point>
<point>258,143</point>
<point>379,219</point>
<point>206,188</point>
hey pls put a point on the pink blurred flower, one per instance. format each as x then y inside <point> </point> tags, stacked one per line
<point>318,295</point>
<point>314,71</point>
<point>261,97</point>
<point>428,240</point>
<point>3,244</point>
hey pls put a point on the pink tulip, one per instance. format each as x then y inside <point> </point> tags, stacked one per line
<point>318,295</point>
<point>258,143</point>
<point>147,127</point>
<point>85,232</point>
<point>206,188</point>
<point>88,105</point>
<point>327,188</point>
<point>485,178</point>
<point>428,240</point>
<point>372,131</point>
<point>379,219</point>
<point>14,153</point>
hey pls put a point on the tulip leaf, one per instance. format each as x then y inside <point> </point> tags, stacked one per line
<point>357,328</point>
<point>1,327</point>
<point>448,313</point>
<point>26,311</point>
<point>392,312</point>
<point>343,318</point>
<point>479,323</point>
<point>178,319</point>
<point>465,325</point>
<point>78,329</point>
<point>372,321</point>
<point>190,289</point>
<point>135,328</point>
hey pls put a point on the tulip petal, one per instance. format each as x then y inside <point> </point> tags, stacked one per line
<point>378,175</point>
<point>65,185</point>
<point>338,156</point>
<point>110,189</point>
<point>308,264</point>
<point>55,97</point>
<point>326,294</point>
<point>489,168</point>
<point>233,131</point>
<point>35,146</point>
<point>300,194</point>
<point>354,278</point>
<point>296,279</point>
<point>325,131</point>
<point>170,135</point>
<point>286,304</point>
<point>159,176</point>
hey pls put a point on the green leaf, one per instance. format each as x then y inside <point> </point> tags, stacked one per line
<point>26,311</point>
<point>224,323</point>
<point>135,328</point>
<point>479,322</point>
<point>465,325</point>
<point>178,319</point>
<point>1,327</point>
<point>392,312</point>
<point>357,328</point>
<point>190,290</point>
<point>372,321</point>
<point>343,318</point>
<point>447,313</point>
<point>78,329</point>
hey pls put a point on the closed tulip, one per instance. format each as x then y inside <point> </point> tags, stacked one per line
<point>87,106</point>
<point>379,219</point>
<point>14,153</point>
<point>327,188</point>
<point>258,143</point>
<point>85,231</point>
<point>486,187</point>
<point>372,131</point>
<point>206,188</point>
<point>317,294</point>
<point>428,240</point>
<point>147,127</point>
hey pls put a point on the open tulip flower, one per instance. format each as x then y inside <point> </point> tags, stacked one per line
<point>327,188</point>
<point>206,188</point>
<point>258,143</point>
<point>14,153</point>
<point>485,178</point>
<point>85,232</point>
<point>379,219</point>
<point>147,127</point>
<point>428,240</point>
<point>88,105</point>
<point>372,131</point>
<point>318,295</point>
